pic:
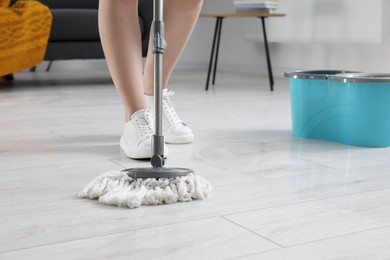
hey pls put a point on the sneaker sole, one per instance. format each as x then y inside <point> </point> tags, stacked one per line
<point>170,139</point>
<point>139,153</point>
<point>135,153</point>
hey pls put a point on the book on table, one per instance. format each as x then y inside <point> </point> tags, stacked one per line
<point>239,2</point>
<point>262,10</point>
<point>263,6</point>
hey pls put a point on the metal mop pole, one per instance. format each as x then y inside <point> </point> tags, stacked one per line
<point>157,161</point>
<point>159,45</point>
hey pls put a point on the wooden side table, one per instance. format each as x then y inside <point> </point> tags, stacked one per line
<point>217,37</point>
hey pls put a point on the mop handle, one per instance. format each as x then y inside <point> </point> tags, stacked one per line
<point>159,46</point>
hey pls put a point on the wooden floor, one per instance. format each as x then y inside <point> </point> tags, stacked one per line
<point>275,196</point>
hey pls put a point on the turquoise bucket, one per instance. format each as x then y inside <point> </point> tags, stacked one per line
<point>311,104</point>
<point>361,104</point>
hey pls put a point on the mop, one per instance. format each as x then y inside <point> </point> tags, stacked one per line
<point>157,184</point>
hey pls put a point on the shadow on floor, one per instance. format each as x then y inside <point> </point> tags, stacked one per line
<point>6,86</point>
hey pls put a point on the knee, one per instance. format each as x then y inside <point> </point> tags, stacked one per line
<point>197,4</point>
<point>194,5</point>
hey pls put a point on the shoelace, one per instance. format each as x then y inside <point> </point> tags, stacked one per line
<point>144,129</point>
<point>170,110</point>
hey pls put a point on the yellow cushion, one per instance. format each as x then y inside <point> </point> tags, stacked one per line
<point>4,3</point>
<point>24,33</point>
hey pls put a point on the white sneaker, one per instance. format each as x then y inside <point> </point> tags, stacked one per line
<point>136,140</point>
<point>175,130</point>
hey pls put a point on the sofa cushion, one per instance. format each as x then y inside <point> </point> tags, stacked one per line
<point>71,4</point>
<point>77,25</point>
<point>74,50</point>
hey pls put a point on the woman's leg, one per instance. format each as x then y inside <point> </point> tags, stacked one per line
<point>180,18</point>
<point>121,40</point>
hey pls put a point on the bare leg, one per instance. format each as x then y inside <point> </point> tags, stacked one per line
<point>180,17</point>
<point>121,39</point>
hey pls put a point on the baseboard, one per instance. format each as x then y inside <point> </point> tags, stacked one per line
<point>237,68</point>
<point>187,65</point>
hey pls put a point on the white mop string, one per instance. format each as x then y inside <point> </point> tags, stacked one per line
<point>117,188</point>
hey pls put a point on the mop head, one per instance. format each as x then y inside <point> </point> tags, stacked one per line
<point>117,188</point>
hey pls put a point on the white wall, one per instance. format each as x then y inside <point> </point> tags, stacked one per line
<point>237,54</point>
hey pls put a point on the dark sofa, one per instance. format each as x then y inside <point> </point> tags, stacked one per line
<point>75,34</point>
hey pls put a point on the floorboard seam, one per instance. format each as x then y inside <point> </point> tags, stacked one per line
<point>109,234</point>
<point>251,231</point>
<point>338,236</point>
<point>308,201</point>
<point>310,242</point>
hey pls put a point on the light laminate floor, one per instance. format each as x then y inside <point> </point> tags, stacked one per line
<point>275,196</point>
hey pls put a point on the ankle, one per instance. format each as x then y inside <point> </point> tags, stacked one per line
<point>129,114</point>
<point>127,117</point>
<point>151,93</point>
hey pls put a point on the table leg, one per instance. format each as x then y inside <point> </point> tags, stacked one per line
<point>49,66</point>
<point>270,74</point>
<point>218,42</point>
<point>212,53</point>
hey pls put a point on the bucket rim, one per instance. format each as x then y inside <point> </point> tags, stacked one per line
<point>314,74</point>
<point>361,78</point>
